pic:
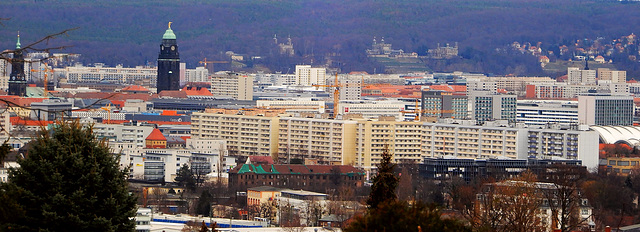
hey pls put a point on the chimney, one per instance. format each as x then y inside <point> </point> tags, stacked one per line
<point>607,229</point>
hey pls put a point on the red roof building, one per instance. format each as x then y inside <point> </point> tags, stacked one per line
<point>156,140</point>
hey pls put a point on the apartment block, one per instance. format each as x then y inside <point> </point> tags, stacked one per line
<point>199,74</point>
<point>307,76</point>
<point>550,144</point>
<point>486,106</point>
<point>325,140</point>
<point>373,109</point>
<point>440,104</point>
<point>468,141</point>
<point>577,76</point>
<point>140,75</point>
<point>605,74</point>
<point>403,139</point>
<point>232,85</point>
<point>247,133</point>
<point>308,105</point>
<point>547,112</point>
<point>350,87</point>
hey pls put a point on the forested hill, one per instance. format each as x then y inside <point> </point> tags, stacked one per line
<point>129,32</point>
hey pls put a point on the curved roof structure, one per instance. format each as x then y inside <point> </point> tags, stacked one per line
<point>619,134</point>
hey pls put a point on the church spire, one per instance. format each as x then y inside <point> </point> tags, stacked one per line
<point>586,64</point>
<point>18,43</point>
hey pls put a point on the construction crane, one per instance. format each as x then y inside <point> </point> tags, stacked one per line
<point>336,94</point>
<point>45,70</point>
<point>205,62</point>
<point>418,111</point>
<point>108,109</point>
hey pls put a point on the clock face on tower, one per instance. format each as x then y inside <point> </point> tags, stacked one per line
<point>173,48</point>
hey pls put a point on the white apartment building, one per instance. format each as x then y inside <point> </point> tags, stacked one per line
<point>373,109</point>
<point>350,87</point>
<point>134,136</point>
<point>208,157</point>
<point>307,105</point>
<point>545,112</point>
<point>576,76</point>
<point>199,74</point>
<point>100,73</point>
<point>232,85</point>
<point>306,75</point>
<point>105,115</point>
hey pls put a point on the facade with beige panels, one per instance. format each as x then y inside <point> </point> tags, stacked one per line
<point>360,142</point>
<point>246,133</point>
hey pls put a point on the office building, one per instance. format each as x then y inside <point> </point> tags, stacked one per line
<point>605,110</point>
<point>168,63</point>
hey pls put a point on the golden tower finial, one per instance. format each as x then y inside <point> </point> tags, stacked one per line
<point>170,25</point>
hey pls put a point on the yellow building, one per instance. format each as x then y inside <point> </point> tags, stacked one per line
<point>246,132</point>
<point>478,142</point>
<point>622,165</point>
<point>402,138</point>
<point>261,195</point>
<point>329,141</point>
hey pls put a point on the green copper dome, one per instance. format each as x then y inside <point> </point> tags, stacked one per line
<point>169,33</point>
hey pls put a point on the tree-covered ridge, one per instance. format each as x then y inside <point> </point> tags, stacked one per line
<point>128,32</point>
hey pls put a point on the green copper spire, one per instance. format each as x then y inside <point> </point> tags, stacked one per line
<point>169,33</point>
<point>18,43</point>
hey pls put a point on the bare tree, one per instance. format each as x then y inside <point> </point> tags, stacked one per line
<point>509,206</point>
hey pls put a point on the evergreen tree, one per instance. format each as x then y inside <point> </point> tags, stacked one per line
<point>385,182</point>
<point>393,216</point>
<point>69,181</point>
<point>185,177</point>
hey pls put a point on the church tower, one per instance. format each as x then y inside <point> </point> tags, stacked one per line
<point>168,63</point>
<point>17,82</point>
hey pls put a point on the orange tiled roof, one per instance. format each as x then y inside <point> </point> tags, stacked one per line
<point>135,88</point>
<point>173,94</point>
<point>156,135</point>
<point>196,91</point>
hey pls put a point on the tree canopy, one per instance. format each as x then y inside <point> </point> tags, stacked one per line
<point>385,182</point>
<point>69,181</point>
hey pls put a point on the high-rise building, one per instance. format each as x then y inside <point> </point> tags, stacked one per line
<point>168,63</point>
<point>17,81</point>
<point>486,106</point>
<point>441,104</point>
<point>604,74</point>
<point>232,85</point>
<point>306,75</point>
<point>576,76</point>
<point>603,110</point>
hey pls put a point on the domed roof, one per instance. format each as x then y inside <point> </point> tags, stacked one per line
<point>168,34</point>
